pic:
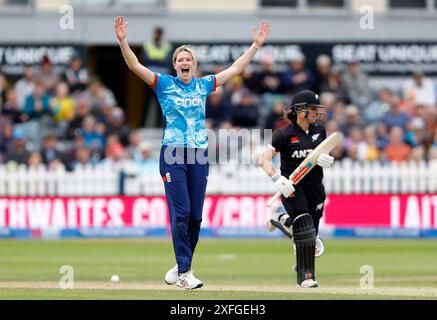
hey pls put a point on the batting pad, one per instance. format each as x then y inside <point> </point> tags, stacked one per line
<point>304,235</point>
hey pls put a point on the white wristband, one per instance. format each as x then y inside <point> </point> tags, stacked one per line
<point>255,45</point>
<point>276,177</point>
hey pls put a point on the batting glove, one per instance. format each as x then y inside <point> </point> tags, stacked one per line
<point>284,185</point>
<point>325,160</point>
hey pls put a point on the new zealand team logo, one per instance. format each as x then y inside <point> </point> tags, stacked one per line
<point>315,136</point>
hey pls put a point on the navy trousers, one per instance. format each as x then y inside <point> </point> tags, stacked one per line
<point>185,175</point>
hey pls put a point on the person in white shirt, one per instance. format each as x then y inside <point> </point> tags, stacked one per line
<point>422,89</point>
<point>25,86</point>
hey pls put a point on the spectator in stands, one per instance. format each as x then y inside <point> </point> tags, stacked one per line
<point>233,90</point>
<point>357,84</point>
<point>76,75</point>
<point>116,125</point>
<point>218,111</point>
<point>396,150</point>
<point>323,70</point>
<point>112,144</point>
<point>352,119</point>
<point>3,89</point>
<point>340,151</point>
<point>115,157</point>
<point>276,114</point>
<point>351,142</point>
<point>425,150</point>
<point>430,117</point>
<point>297,78</point>
<point>250,80</point>
<point>6,137</point>
<point>335,85</point>
<point>25,86</point>
<point>395,117</point>
<point>47,75</point>
<point>156,54</point>
<point>282,123</point>
<point>93,134</point>
<point>35,160</point>
<point>17,151</point>
<point>352,152</point>
<point>83,109</point>
<point>132,150</point>
<point>98,96</point>
<point>49,152</point>
<point>37,104</point>
<point>268,79</point>
<point>63,105</point>
<point>376,109</point>
<point>381,135</point>
<point>11,109</point>
<point>245,115</point>
<point>146,164</point>
<point>339,113</point>
<point>415,131</point>
<point>420,89</point>
<point>435,139</point>
<point>82,157</point>
<point>328,100</point>
<point>367,149</point>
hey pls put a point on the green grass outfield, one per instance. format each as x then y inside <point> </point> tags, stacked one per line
<point>230,269</point>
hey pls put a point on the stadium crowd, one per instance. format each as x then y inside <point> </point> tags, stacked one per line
<point>386,125</point>
<point>74,119</point>
<point>66,119</point>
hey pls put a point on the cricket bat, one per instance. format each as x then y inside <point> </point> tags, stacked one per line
<point>310,161</point>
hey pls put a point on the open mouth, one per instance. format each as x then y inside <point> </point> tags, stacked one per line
<point>185,71</point>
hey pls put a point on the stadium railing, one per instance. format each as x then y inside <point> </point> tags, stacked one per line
<point>346,177</point>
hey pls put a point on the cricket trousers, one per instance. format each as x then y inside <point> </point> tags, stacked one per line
<point>309,197</point>
<point>185,175</point>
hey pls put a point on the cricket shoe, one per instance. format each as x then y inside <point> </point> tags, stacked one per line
<point>171,277</point>
<point>309,283</point>
<point>188,281</point>
<point>320,248</point>
<point>278,220</point>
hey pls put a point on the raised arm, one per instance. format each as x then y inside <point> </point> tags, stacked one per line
<point>259,37</point>
<point>129,57</point>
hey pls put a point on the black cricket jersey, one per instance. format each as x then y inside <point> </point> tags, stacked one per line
<point>294,144</point>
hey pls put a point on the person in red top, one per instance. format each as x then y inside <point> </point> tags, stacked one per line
<point>396,149</point>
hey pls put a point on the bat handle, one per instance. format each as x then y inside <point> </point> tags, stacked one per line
<point>273,199</point>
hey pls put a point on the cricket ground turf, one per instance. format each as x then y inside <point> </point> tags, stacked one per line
<point>230,269</point>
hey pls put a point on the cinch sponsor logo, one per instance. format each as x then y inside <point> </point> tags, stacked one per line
<point>188,102</point>
<point>301,153</point>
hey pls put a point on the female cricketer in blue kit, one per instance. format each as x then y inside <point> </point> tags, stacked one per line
<point>182,99</point>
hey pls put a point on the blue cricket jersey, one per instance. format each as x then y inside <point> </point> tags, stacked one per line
<point>183,108</point>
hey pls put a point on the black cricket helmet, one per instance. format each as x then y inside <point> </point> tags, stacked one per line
<point>301,101</point>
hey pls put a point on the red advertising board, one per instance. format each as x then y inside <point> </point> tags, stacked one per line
<point>248,211</point>
<point>390,211</point>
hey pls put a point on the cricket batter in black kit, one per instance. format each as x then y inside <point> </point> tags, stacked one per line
<point>303,203</point>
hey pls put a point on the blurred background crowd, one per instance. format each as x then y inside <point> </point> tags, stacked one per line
<point>73,119</point>
<point>65,119</point>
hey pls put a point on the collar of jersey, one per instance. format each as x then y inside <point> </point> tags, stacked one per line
<point>298,128</point>
<point>183,83</point>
